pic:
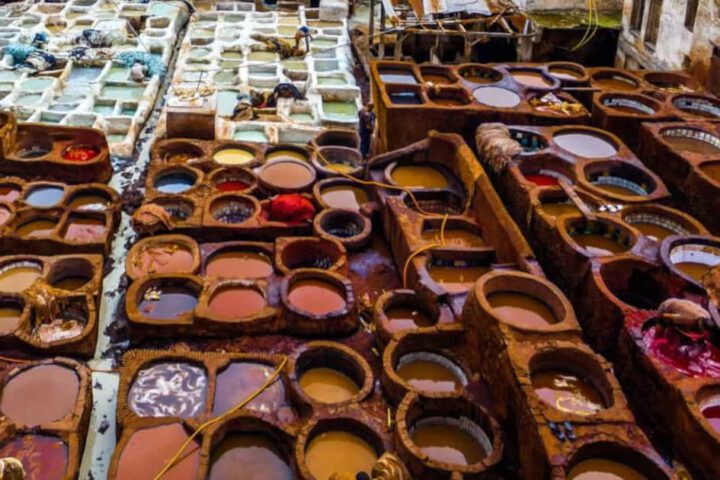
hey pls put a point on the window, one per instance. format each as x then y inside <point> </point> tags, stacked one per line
<point>653,22</point>
<point>638,9</point>
<point>690,14</point>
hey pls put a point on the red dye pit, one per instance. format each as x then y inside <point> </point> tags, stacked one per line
<point>80,153</point>
<point>291,208</point>
<point>232,186</point>
<point>542,180</point>
<point>694,357</point>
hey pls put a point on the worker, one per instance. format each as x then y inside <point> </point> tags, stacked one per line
<point>367,127</point>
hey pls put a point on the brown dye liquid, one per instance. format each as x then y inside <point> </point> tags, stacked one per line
<point>522,310</point>
<point>327,385</point>
<point>447,443</point>
<point>240,379</point>
<point>407,318</point>
<point>338,451</point>
<point>429,376</point>
<point>693,269</point>
<point>712,170</point>
<point>448,101</point>
<point>456,279</point>
<point>85,230</point>
<point>599,244</point>
<point>479,79</point>
<point>653,230</point>
<point>416,176</point>
<point>557,209</point>
<point>316,296</point>
<point>164,259</point>
<point>567,392</point>
<point>18,279</point>
<point>615,83</point>
<point>603,469</point>
<point>150,449</point>
<point>616,189</point>
<point>89,202</point>
<point>455,237</point>
<point>71,283</point>
<point>256,455</point>
<point>40,395</point>
<point>236,303</point>
<point>36,228</point>
<point>9,319</point>
<point>531,79</point>
<point>345,196</point>
<point>437,79</point>
<point>239,264</point>
<point>288,175</point>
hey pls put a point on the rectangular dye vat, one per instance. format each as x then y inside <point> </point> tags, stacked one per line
<point>94,44</point>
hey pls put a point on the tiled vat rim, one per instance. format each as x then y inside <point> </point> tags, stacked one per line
<point>219,45</point>
<point>627,102</point>
<point>703,105</point>
<point>105,98</point>
<point>692,132</point>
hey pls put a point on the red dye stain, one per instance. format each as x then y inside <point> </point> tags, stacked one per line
<point>291,208</point>
<point>542,180</point>
<point>692,357</point>
<point>232,186</point>
<point>80,153</point>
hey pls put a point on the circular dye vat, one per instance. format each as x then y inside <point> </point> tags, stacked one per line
<point>451,440</point>
<point>338,451</point>
<point>40,395</point>
<point>328,385</point>
<point>163,258</point>
<point>628,105</point>
<point>89,202</point>
<point>256,455</point>
<point>169,389</point>
<point>239,264</point>
<point>318,297</point>
<point>567,392</point>
<point>10,316</point>
<point>5,214</point>
<point>710,409</point>
<point>36,228</point>
<point>560,208</point>
<point>614,82</point>
<point>44,457</point>
<point>44,197</point>
<point>585,145</point>
<point>456,279</point>
<point>418,176</point>
<point>167,301</point>
<point>694,260</point>
<point>705,107</point>
<point>454,237</point>
<point>80,153</point>
<point>531,79</point>
<point>522,310</point>
<point>71,283</point>
<point>240,379</point>
<point>174,182</point>
<point>33,151</point>
<point>285,154</point>
<point>430,372</point>
<point>287,174</point>
<point>232,210</point>
<point>345,196</point>
<point>9,193</point>
<point>692,140</point>
<point>236,302</point>
<point>234,156</point>
<point>598,244</point>
<point>17,277</point>
<point>619,186</point>
<point>403,317</point>
<point>148,451</point>
<point>497,97</point>
<point>603,469</point>
<point>85,230</point>
<point>655,226</point>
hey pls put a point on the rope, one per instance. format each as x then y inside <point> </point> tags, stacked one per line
<point>222,417</point>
